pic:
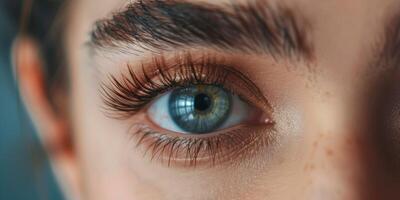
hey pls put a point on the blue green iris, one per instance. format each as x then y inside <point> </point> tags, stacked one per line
<point>199,108</point>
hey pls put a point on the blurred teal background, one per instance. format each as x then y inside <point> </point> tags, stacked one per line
<point>24,170</point>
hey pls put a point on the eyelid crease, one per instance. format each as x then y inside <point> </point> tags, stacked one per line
<point>129,93</point>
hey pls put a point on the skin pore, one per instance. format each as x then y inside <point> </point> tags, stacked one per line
<point>321,76</point>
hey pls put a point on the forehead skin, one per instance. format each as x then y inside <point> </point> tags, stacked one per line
<point>344,34</point>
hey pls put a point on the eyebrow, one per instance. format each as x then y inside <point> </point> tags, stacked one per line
<point>390,54</point>
<point>252,27</point>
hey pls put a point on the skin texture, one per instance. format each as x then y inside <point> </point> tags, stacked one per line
<point>323,145</point>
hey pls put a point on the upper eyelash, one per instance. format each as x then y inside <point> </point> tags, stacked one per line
<point>126,95</point>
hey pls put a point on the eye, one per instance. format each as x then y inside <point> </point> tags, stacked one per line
<point>190,111</point>
<point>199,109</point>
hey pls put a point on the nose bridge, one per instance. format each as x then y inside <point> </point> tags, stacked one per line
<point>340,157</point>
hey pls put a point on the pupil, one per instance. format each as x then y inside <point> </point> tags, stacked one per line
<point>202,102</point>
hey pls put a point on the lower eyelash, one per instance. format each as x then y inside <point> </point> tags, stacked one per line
<point>192,151</point>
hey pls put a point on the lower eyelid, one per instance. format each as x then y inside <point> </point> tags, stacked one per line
<point>208,150</point>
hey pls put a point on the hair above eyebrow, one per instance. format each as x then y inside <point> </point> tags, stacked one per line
<point>162,25</point>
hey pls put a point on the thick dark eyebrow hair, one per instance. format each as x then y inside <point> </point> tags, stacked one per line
<point>253,27</point>
<point>390,54</point>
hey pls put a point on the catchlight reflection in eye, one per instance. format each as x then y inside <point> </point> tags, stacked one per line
<point>198,109</point>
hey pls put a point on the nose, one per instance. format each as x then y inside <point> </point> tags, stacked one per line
<point>335,167</point>
<point>342,161</point>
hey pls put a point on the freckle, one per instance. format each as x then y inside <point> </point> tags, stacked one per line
<point>309,167</point>
<point>314,148</point>
<point>329,152</point>
<point>328,94</point>
<point>306,167</point>
<point>315,144</point>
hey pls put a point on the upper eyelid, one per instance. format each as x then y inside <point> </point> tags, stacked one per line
<point>131,87</point>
